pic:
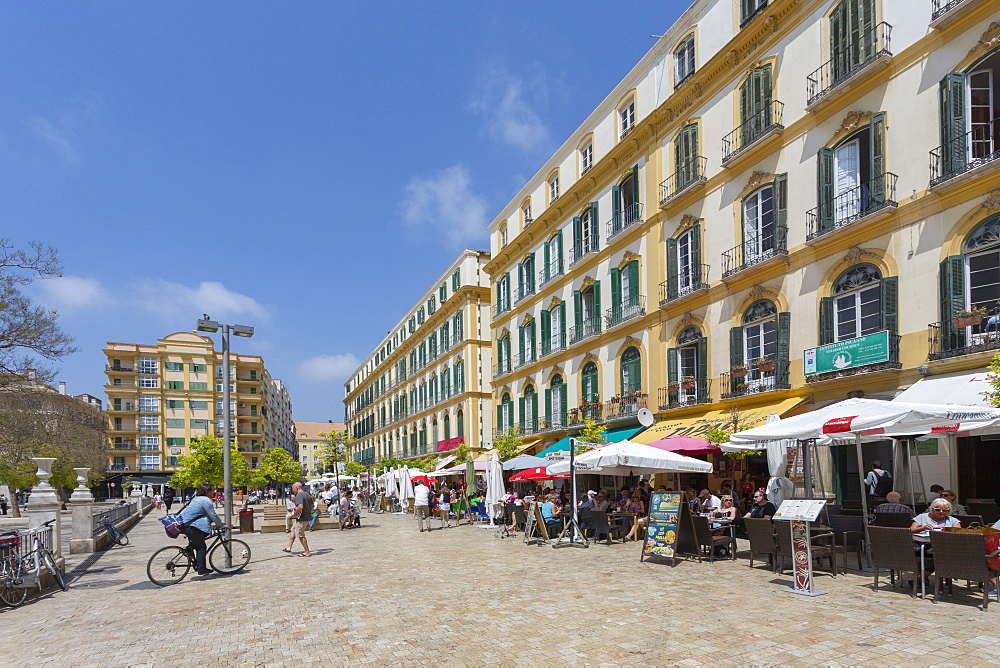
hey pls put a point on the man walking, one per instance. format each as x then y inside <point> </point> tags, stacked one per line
<point>3,504</point>
<point>303,513</point>
<point>421,505</point>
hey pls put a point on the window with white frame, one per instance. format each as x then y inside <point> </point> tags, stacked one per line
<point>626,118</point>
<point>149,440</point>
<point>149,404</point>
<point>149,423</point>
<point>503,236</point>
<point>858,297</point>
<point>149,381</point>
<point>526,218</point>
<point>554,188</point>
<point>586,157</point>
<point>149,462</point>
<point>760,339</point>
<point>146,365</point>
<point>684,60</point>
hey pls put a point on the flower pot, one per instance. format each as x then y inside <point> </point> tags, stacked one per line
<point>687,386</point>
<point>765,368</point>
<point>967,321</point>
<point>739,373</point>
<point>673,388</point>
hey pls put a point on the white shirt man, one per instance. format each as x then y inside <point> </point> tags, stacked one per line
<point>709,501</point>
<point>421,505</point>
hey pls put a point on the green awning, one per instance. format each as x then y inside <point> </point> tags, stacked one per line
<point>612,435</point>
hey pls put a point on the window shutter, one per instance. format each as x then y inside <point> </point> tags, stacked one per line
<point>633,282</point>
<point>890,304</point>
<point>780,211</point>
<point>952,299</point>
<point>635,185</point>
<point>548,405</point>
<point>577,237</point>
<point>559,252</point>
<point>735,346</point>
<point>521,283</point>
<point>500,418</point>
<point>826,308</point>
<point>534,413</point>
<point>546,332</point>
<point>673,269</point>
<point>672,370</point>
<point>696,277</point>
<point>952,98</point>
<point>825,193</point>
<point>597,306</point>
<point>546,260</point>
<point>506,286</point>
<point>876,135</point>
<point>530,277</point>
<point>764,96</point>
<point>499,292</point>
<point>594,234</point>
<point>616,208</point>
<point>562,405</point>
<point>562,324</point>
<point>578,312</point>
<point>679,162</point>
<point>746,110</point>
<point>520,344</point>
<point>616,292</point>
<point>784,335</point>
<point>520,416</point>
<point>839,40</point>
<point>702,366</point>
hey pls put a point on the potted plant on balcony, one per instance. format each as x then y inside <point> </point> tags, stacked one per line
<point>969,317</point>
<point>738,370</point>
<point>764,364</point>
<point>688,382</point>
<point>673,386</point>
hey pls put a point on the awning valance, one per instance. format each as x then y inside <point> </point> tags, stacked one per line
<point>611,436</point>
<point>701,425</point>
<point>963,388</point>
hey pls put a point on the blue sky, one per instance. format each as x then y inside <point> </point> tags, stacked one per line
<point>306,168</point>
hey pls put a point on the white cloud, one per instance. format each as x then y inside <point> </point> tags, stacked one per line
<point>328,367</point>
<point>510,116</point>
<point>445,202</point>
<point>62,132</point>
<point>69,293</point>
<point>175,302</point>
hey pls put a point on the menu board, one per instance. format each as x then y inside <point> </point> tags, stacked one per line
<point>662,525</point>
<point>799,510</point>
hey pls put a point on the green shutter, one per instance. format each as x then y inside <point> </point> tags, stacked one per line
<point>952,300</point>
<point>546,254</point>
<point>825,192</point>
<point>616,209</point>
<point>696,277</point>
<point>520,416</point>
<point>826,308</point>
<point>952,109</point>
<point>616,293</point>
<point>597,306</point>
<point>546,332</point>
<point>673,269</point>
<point>702,362</point>
<point>890,304</point>
<point>594,234</point>
<point>520,343</point>
<point>534,412</point>
<point>577,237</point>
<point>876,135</point>
<point>672,375</point>
<point>562,324</point>
<point>633,282</point>
<point>500,417</point>
<point>635,188</point>
<point>559,252</point>
<point>499,299</point>
<point>839,40</point>
<point>532,340</point>
<point>781,212</point>
<point>735,346</point>
<point>562,404</point>
<point>531,272</point>
<point>578,312</point>
<point>548,405</point>
<point>784,335</point>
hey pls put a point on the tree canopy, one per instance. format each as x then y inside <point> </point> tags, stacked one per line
<point>507,444</point>
<point>204,464</point>
<point>280,466</point>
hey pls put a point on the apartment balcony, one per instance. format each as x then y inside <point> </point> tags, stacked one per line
<point>119,467</point>
<point>689,177</point>
<point>861,203</point>
<point>755,380</point>
<point>626,131</point>
<point>554,271</point>
<point>147,447</point>
<point>677,288</point>
<point>755,130</point>
<point>967,153</point>
<point>976,333</point>
<point>589,245</point>
<point>149,467</point>
<point>547,425</point>
<point>251,448</point>
<point>586,411</point>
<point>123,407</point>
<point>248,378</point>
<point>869,51</point>
<point>589,328</point>
<point>120,369</point>
<point>456,340</point>
<point>946,12</point>
<point>526,358</point>
<point>632,215</point>
<point>691,392</point>
<point>501,369</point>
<point>501,307</point>
<point>628,309</point>
<point>126,444</point>
<point>523,292</point>
<point>624,407</point>
<point>553,344</point>
<point>755,251</point>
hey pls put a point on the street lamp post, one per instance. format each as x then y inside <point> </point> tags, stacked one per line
<point>208,325</point>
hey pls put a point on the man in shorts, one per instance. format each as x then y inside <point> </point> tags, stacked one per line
<point>303,513</point>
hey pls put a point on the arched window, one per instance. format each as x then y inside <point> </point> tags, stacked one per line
<point>626,209</point>
<point>970,286</point>
<point>687,370</point>
<point>460,424</point>
<point>631,370</point>
<point>503,355</point>
<point>586,236</point>
<point>758,350</point>
<point>588,383</point>
<point>447,426</point>
<point>684,60</point>
<point>855,309</point>
<point>505,413</point>
<point>852,178</point>
<point>529,411</point>
<point>555,402</point>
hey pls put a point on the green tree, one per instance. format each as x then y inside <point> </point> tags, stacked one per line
<point>354,469</point>
<point>508,444</point>
<point>280,467</point>
<point>993,380</point>
<point>205,464</point>
<point>593,432</point>
<point>335,451</point>
<point>462,454</point>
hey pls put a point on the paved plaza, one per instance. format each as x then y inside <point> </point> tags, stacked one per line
<point>387,594</point>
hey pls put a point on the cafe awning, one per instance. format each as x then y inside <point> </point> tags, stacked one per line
<point>611,435</point>
<point>699,426</point>
<point>964,389</point>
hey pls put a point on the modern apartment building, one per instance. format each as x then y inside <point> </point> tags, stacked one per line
<point>785,203</point>
<point>310,445</point>
<point>425,388</point>
<point>162,396</point>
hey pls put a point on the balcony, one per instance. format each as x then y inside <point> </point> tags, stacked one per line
<point>122,407</point>
<point>864,201</point>
<point>754,251</point>
<point>251,448</point>
<point>126,444</point>
<point>589,245</point>
<point>527,427</point>
<point>628,309</point>
<point>554,271</point>
<point>553,345</point>
<point>456,339</point>
<point>149,467</point>
<point>632,215</point>
<point>754,380</point>
<point>946,12</point>
<point>523,292</point>
<point>626,132</point>
<point>689,176</point>
<point>624,407</point>
<point>889,364</point>
<point>590,327</point>
<point>965,336</point>
<point>527,357</point>
<point>752,15</point>
<point>119,467</point>
<point>586,411</point>
<point>689,393</point>
<point>836,76</point>
<point>683,285</point>
<point>501,306</point>
<point>121,369</point>
<point>501,369</point>
<point>970,151</point>
<point>764,124</point>
<point>557,423</point>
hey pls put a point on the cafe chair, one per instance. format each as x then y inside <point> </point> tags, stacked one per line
<point>709,538</point>
<point>849,532</point>
<point>968,520</point>
<point>761,535</point>
<point>961,556</point>
<point>898,520</point>
<point>520,518</point>
<point>600,526</point>
<point>892,549</point>
<point>819,551</point>
<point>989,511</point>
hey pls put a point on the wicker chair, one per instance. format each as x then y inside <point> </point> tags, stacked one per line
<point>960,556</point>
<point>849,532</point>
<point>600,526</point>
<point>892,548</point>
<point>761,535</point>
<point>785,551</point>
<point>709,538</point>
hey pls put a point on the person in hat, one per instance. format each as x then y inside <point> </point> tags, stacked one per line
<point>709,501</point>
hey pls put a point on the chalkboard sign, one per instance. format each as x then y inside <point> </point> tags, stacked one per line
<point>669,518</point>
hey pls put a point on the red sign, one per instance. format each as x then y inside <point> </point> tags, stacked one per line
<point>838,425</point>
<point>450,444</point>
<point>945,429</point>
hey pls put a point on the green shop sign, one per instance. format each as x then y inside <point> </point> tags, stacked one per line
<point>870,349</point>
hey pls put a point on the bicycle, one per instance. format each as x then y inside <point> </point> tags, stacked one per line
<point>118,537</point>
<point>15,577</point>
<point>169,565</point>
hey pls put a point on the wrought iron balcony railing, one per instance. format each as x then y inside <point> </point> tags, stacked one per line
<point>941,7</point>
<point>501,306</point>
<point>691,172</point>
<point>684,284</point>
<point>553,344</point>
<point>592,411</point>
<point>755,128</point>
<point>555,269</point>
<point>555,423</point>
<point>121,369</point>
<point>501,368</point>
<point>975,148</point>
<point>974,333</point>
<point>755,250</point>
<point>590,327</point>
<point>589,245</point>
<point>628,309</point>
<point>528,357</point>
<point>632,215</point>
<point>852,205</point>
<point>624,406</point>
<point>688,393</point>
<point>523,291</point>
<point>866,48</point>
<point>755,380</point>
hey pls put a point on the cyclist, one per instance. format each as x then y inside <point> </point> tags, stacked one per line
<point>196,517</point>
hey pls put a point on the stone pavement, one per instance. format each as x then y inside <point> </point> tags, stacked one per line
<point>386,594</point>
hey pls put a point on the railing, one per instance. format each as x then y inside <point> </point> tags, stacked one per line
<point>556,423</point>
<point>686,394</point>
<point>754,128</point>
<point>526,427</point>
<point>590,327</point>
<point>123,369</point>
<point>754,251</point>
<point>626,131</point>
<point>501,368</point>
<point>632,215</point>
<point>942,7</point>
<point>624,406</point>
<point>26,544</point>
<point>456,339</point>
<point>852,205</point>
<point>628,309</point>
<point>126,444</point>
<point>501,307</point>
<point>847,62</point>
<point>891,363</point>
<point>696,279</point>
<point>590,245</point>
<point>115,516</point>
<point>555,270</point>
<point>750,17</point>
<point>592,411</point>
<point>149,467</point>
<point>148,447</point>
<point>755,380</point>
<point>147,427</point>
<point>118,467</point>
<point>691,172</point>
<point>128,406</point>
<point>965,336</point>
<point>975,148</point>
<point>528,357</point>
<point>523,291</point>
<point>553,344</point>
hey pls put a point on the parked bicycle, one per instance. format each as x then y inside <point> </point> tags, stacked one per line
<point>117,536</point>
<point>170,565</point>
<point>17,573</point>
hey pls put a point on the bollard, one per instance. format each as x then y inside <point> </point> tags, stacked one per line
<point>82,503</point>
<point>44,503</point>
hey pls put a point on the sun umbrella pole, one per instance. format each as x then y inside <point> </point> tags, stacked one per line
<point>864,497</point>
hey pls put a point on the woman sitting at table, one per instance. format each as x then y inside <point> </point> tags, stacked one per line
<point>937,517</point>
<point>550,512</point>
<point>726,512</point>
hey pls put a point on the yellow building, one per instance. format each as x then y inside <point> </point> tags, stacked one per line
<point>162,396</point>
<point>785,203</point>
<point>310,445</point>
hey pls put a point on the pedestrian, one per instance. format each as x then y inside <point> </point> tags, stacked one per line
<point>421,505</point>
<point>196,517</point>
<point>303,513</point>
<point>289,514</point>
<point>3,504</point>
<point>168,499</point>
<point>158,501</point>
<point>444,507</point>
<point>878,481</point>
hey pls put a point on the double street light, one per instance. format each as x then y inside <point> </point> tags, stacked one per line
<point>205,324</point>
